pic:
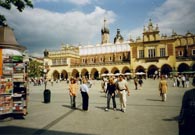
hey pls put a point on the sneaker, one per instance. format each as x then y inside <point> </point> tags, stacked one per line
<point>106,109</point>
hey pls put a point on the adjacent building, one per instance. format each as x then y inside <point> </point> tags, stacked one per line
<point>150,54</point>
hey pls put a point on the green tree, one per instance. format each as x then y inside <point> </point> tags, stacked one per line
<point>19,4</point>
<point>35,69</point>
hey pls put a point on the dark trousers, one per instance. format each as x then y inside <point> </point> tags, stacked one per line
<point>109,96</point>
<point>85,99</point>
<point>73,101</point>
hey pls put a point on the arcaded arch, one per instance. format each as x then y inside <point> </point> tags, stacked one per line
<point>75,73</point>
<point>85,73</point>
<point>64,75</point>
<point>94,73</point>
<point>115,70</point>
<point>151,70</point>
<point>193,67</point>
<point>56,75</point>
<point>183,67</point>
<point>166,69</point>
<point>126,70</point>
<point>104,71</point>
<point>140,69</point>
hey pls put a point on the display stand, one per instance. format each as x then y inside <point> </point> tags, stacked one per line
<point>13,74</point>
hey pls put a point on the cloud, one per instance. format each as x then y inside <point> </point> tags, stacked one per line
<point>39,29</point>
<point>76,2</point>
<point>177,15</point>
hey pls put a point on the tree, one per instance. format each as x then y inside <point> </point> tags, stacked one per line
<point>19,4</point>
<point>35,69</point>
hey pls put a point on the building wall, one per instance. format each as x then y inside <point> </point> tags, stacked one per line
<point>151,54</point>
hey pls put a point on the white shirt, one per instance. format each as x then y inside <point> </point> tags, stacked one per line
<point>84,88</point>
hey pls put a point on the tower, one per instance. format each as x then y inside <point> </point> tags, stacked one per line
<point>105,34</point>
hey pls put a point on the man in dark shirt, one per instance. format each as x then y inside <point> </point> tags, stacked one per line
<point>187,114</point>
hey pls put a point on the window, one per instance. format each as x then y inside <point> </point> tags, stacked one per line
<point>120,57</point>
<point>162,52</point>
<point>110,58</point>
<point>180,53</point>
<point>141,53</point>
<point>151,53</point>
<point>92,60</point>
<point>64,61</point>
<point>58,61</point>
<point>101,59</point>
<point>193,52</point>
<point>54,62</point>
<point>83,61</point>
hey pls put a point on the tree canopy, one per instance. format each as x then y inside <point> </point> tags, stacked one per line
<point>19,4</point>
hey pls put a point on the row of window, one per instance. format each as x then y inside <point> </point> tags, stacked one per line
<point>101,59</point>
<point>59,61</point>
<point>152,53</point>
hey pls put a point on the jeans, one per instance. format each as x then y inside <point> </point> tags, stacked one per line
<point>73,101</point>
<point>109,96</point>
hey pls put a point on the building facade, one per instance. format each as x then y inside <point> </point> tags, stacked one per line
<point>90,60</point>
<point>151,54</point>
<point>162,54</point>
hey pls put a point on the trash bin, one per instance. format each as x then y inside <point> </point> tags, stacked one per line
<point>47,95</point>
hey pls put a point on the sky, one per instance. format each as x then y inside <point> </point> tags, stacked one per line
<point>52,23</point>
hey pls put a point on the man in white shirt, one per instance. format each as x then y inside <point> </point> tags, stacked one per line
<point>122,89</point>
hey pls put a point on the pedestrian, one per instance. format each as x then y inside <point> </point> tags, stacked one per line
<point>163,86</point>
<point>111,89</point>
<point>73,89</point>
<point>140,81</point>
<point>186,120</point>
<point>85,96</point>
<point>135,82</point>
<point>122,89</point>
<point>183,79</point>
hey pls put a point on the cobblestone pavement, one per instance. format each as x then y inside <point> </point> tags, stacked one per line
<point>146,114</point>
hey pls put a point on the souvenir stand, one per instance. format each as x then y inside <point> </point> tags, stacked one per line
<point>13,75</point>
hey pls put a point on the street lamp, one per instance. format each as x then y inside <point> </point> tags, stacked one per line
<point>45,77</point>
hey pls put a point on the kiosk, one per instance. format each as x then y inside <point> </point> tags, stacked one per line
<point>14,92</point>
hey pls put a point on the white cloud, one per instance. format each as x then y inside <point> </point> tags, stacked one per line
<point>38,29</point>
<point>177,15</point>
<point>77,2</point>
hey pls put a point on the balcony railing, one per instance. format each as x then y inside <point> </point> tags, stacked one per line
<point>153,59</point>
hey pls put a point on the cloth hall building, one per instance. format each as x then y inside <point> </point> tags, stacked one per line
<point>150,54</point>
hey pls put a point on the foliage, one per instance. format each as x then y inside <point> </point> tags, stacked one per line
<point>19,4</point>
<point>35,69</point>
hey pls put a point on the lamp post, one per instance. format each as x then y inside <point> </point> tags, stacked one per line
<point>45,77</point>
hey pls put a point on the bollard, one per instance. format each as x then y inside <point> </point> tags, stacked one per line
<point>47,95</point>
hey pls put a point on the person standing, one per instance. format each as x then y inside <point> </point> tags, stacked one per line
<point>163,86</point>
<point>135,82</point>
<point>140,81</point>
<point>84,92</point>
<point>73,88</point>
<point>122,89</point>
<point>111,88</point>
<point>186,121</point>
<point>183,79</point>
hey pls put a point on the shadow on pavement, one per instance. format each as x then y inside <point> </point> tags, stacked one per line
<point>154,100</point>
<point>172,119</point>
<point>102,108</point>
<point>15,130</point>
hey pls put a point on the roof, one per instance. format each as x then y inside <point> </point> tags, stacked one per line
<point>8,40</point>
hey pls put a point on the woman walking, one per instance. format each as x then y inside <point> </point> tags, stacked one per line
<point>84,92</point>
<point>111,88</point>
<point>163,88</point>
<point>73,88</point>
